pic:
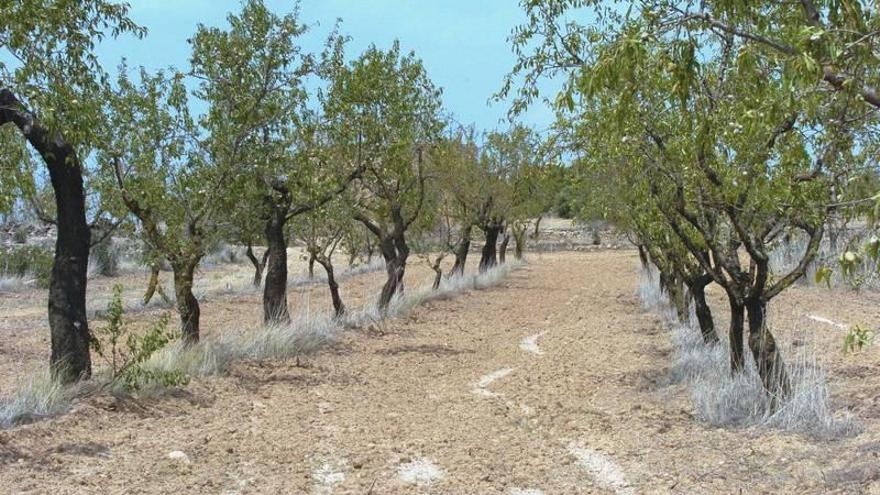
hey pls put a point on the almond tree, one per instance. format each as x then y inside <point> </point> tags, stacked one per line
<point>323,230</point>
<point>52,95</point>
<point>384,112</point>
<point>251,74</point>
<point>459,180</point>
<point>158,167</point>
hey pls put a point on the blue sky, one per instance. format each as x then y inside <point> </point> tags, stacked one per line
<point>463,43</point>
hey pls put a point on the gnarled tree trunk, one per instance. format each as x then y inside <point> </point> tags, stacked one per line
<point>537,232</point>
<point>311,266</point>
<point>395,269</point>
<point>438,270</point>
<point>461,250</point>
<point>737,325</point>
<point>153,283</point>
<point>519,243</point>
<point>70,359</point>
<point>765,352</point>
<point>275,287</point>
<point>258,267</point>
<point>671,284</point>
<point>395,251</point>
<point>187,304</point>
<point>502,249</point>
<point>703,311</point>
<point>489,256</point>
<point>338,306</point>
<point>643,258</point>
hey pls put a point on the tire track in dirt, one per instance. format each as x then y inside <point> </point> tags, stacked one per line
<point>822,319</point>
<point>481,387</point>
<point>602,468</point>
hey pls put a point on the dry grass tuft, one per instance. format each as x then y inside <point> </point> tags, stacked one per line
<point>35,398</point>
<point>721,398</point>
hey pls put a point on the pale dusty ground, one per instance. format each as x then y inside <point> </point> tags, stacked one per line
<point>550,383</point>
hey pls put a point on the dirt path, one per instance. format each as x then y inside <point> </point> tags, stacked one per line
<point>551,383</point>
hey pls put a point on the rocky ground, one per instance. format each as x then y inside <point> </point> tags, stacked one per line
<point>550,383</point>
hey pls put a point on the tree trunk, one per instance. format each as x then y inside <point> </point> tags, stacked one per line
<point>768,359</point>
<point>258,267</point>
<point>338,306</point>
<point>102,252</point>
<point>275,288</point>
<point>536,232</point>
<point>438,275</point>
<point>519,244</point>
<point>461,250</point>
<point>395,267</point>
<point>489,256</point>
<point>643,258</point>
<point>370,248</point>
<point>704,313</point>
<point>311,266</point>
<point>502,250</point>
<point>663,280</point>
<point>395,251</point>
<point>153,283</point>
<point>70,359</point>
<point>674,288</point>
<point>263,260</point>
<point>737,322</point>
<point>187,304</point>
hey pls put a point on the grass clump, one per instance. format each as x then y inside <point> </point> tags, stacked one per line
<point>37,397</point>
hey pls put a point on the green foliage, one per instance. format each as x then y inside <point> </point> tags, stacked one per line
<point>700,140</point>
<point>384,115</point>
<point>27,261</point>
<point>823,275</point>
<point>872,248</point>
<point>125,351</point>
<point>857,339</point>
<point>56,71</point>
<point>850,264</point>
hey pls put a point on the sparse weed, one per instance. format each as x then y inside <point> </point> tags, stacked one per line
<point>125,352</point>
<point>857,338</point>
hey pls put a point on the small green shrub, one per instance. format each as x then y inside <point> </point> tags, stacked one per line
<point>823,275</point>
<point>857,339</point>
<point>27,261</point>
<point>126,352</point>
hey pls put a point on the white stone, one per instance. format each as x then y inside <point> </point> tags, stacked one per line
<point>179,456</point>
<point>419,471</point>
